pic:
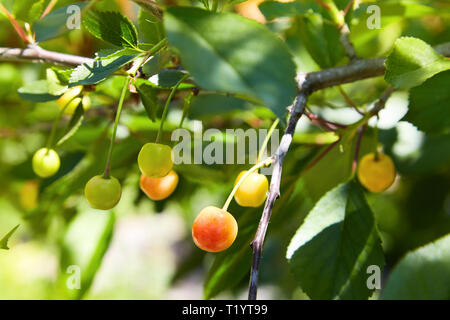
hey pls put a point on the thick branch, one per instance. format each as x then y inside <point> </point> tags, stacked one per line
<point>37,54</point>
<point>357,70</point>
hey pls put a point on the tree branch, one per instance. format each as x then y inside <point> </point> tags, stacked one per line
<point>308,83</point>
<point>356,70</point>
<point>274,188</point>
<point>37,54</point>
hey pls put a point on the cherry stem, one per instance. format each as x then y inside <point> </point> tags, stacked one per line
<point>324,124</point>
<point>266,140</point>
<point>323,154</point>
<point>358,145</point>
<point>377,156</point>
<point>261,164</point>
<point>349,101</point>
<point>116,122</point>
<point>186,106</point>
<point>166,106</point>
<point>55,124</point>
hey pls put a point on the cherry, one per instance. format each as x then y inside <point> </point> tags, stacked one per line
<point>45,162</point>
<point>103,193</point>
<point>376,173</point>
<point>214,229</point>
<point>159,188</point>
<point>71,95</point>
<point>252,191</point>
<point>155,160</point>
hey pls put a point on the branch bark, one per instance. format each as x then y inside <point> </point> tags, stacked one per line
<point>274,188</point>
<point>37,54</point>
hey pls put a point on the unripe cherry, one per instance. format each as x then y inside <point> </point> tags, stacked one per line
<point>103,193</point>
<point>155,160</point>
<point>45,162</point>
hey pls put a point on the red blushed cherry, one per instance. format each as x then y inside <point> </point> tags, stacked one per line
<point>214,229</point>
<point>159,188</point>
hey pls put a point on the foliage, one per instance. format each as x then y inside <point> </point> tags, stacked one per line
<point>199,60</point>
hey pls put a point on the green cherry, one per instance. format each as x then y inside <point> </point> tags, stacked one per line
<point>45,162</point>
<point>103,193</point>
<point>155,160</point>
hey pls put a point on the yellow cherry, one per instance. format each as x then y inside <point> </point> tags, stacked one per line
<point>253,190</point>
<point>376,174</point>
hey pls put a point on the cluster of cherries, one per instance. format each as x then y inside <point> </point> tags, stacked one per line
<point>214,229</point>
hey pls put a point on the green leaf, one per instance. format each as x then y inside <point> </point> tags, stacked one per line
<point>169,78</point>
<point>55,23</point>
<point>54,84</point>
<point>413,61</point>
<point>320,39</point>
<point>111,27</point>
<point>429,107</point>
<point>85,243</point>
<point>274,9</point>
<point>149,99</point>
<point>422,274</point>
<point>36,91</point>
<point>332,249</point>
<point>156,63</point>
<point>24,12</point>
<point>62,74</point>
<point>74,124</point>
<point>151,28</point>
<point>214,104</point>
<point>100,68</point>
<point>226,52</point>
<point>5,239</point>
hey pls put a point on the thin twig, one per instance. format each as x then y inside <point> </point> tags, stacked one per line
<point>49,8</point>
<point>320,156</point>
<point>349,101</point>
<point>348,6</point>
<point>324,124</point>
<point>37,54</point>
<point>381,103</point>
<point>274,188</point>
<point>323,4</point>
<point>344,38</point>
